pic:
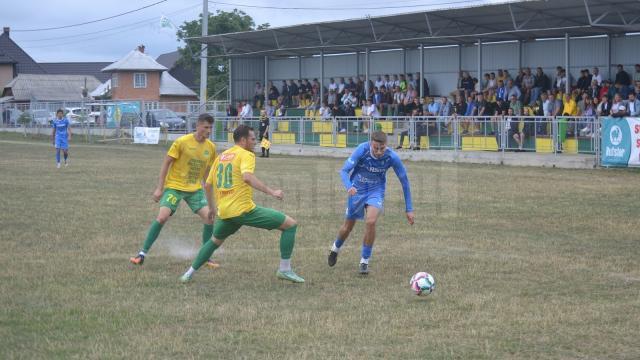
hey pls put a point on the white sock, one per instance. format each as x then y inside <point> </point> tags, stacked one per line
<point>142,253</point>
<point>190,271</point>
<point>364,261</point>
<point>334,248</point>
<point>285,264</point>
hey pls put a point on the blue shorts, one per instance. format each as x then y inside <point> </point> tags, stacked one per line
<point>357,203</point>
<point>62,143</point>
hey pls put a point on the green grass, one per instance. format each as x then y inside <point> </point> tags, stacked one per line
<point>530,263</point>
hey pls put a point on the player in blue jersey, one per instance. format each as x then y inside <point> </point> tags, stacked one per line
<point>364,178</point>
<point>60,136</point>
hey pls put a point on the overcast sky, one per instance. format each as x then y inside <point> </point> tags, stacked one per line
<point>111,39</point>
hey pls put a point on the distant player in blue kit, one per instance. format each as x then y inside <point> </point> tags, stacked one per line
<point>364,178</point>
<point>60,136</point>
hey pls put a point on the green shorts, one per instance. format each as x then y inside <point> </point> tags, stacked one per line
<point>171,199</point>
<point>260,217</point>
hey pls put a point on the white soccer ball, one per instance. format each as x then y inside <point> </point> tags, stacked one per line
<point>422,283</point>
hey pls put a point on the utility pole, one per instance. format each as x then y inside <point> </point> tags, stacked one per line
<point>203,57</point>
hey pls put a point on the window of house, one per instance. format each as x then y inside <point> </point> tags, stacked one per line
<point>114,80</point>
<point>139,80</point>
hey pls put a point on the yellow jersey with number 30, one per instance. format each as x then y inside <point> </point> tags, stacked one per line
<point>191,160</point>
<point>234,197</point>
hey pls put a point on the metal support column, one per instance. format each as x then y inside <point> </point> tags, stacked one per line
<point>299,68</point>
<point>366,73</point>
<point>480,64</point>
<point>608,57</point>
<point>357,63</point>
<point>421,82</point>
<point>230,90</point>
<point>404,61</point>
<point>519,54</point>
<point>203,57</point>
<point>266,78</point>
<point>567,63</point>
<point>321,77</point>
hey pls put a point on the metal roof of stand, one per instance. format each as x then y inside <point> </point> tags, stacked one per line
<point>518,20</point>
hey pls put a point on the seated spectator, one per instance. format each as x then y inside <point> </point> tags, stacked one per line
<point>588,113</point>
<point>604,89</point>
<point>618,108</point>
<point>331,97</point>
<point>633,105</point>
<point>341,86</point>
<point>247,111</point>
<point>513,90</point>
<point>370,110</point>
<point>398,102</point>
<point>284,93</point>
<point>294,91</point>
<point>388,83</point>
<point>594,89</point>
<point>332,85</point>
<point>349,98</point>
<point>501,91</point>
<point>515,105</point>
<point>466,84</point>
<point>470,111</point>
<point>273,93</point>
<point>584,82</point>
<point>493,83</point>
<point>325,111</point>
<point>387,100</point>
<point>604,107</point>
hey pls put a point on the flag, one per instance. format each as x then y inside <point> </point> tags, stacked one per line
<point>166,23</point>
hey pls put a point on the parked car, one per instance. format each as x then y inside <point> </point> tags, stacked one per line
<point>164,118</point>
<point>74,114</point>
<point>42,117</point>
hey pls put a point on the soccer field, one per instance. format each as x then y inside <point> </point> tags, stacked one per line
<point>530,263</point>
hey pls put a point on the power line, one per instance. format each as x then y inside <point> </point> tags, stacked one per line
<point>130,25</point>
<point>361,7</point>
<point>92,21</point>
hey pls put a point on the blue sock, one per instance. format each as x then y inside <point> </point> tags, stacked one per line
<point>57,155</point>
<point>366,251</point>
<point>338,243</point>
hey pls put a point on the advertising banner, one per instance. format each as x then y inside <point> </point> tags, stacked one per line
<point>145,135</point>
<point>621,142</point>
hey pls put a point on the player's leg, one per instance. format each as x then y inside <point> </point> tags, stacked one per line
<point>222,229</point>
<point>168,205</point>
<point>57,157</point>
<point>355,211</point>
<point>207,232</point>
<point>66,156</point>
<point>343,234</point>
<point>371,218</point>
<point>197,202</point>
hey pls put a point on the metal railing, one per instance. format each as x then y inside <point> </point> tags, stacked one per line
<point>458,133</point>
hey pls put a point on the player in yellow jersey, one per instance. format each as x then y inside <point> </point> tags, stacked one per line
<point>232,180</point>
<point>182,174</point>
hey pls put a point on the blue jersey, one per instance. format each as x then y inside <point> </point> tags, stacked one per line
<point>368,174</point>
<point>60,126</point>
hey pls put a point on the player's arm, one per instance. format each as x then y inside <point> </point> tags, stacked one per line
<point>164,169</point>
<point>208,190</point>
<point>348,166</point>
<point>255,183</point>
<point>401,172</point>
<point>68,132</point>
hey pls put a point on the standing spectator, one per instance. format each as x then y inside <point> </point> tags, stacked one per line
<point>540,84</point>
<point>470,111</point>
<point>584,82</point>
<point>295,92</point>
<point>596,76</point>
<point>561,79</point>
<point>594,89</point>
<point>492,84</point>
<point>444,113</point>
<point>232,111</point>
<point>247,111</point>
<point>341,86</point>
<point>501,91</point>
<point>263,132</point>
<point>466,84</point>
<point>274,94</point>
<point>331,97</point>
<point>258,95</point>
<point>636,76</point>
<point>286,97</point>
<point>425,84</point>
<point>388,83</point>
<point>622,77</point>
<point>332,85</point>
<point>398,101</point>
<point>513,90</point>
<point>527,86</point>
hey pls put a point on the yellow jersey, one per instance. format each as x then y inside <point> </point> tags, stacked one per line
<point>190,162</point>
<point>234,197</point>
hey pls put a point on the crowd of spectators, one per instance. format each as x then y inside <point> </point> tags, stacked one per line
<point>528,93</point>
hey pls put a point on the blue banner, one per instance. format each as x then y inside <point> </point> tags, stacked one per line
<point>617,141</point>
<point>122,114</point>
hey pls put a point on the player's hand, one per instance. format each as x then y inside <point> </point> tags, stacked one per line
<point>278,194</point>
<point>212,214</point>
<point>410,217</point>
<point>352,191</point>
<point>157,194</point>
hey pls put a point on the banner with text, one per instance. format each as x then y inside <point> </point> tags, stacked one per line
<point>145,135</point>
<point>621,142</point>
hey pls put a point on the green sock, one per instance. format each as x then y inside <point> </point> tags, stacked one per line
<point>207,232</point>
<point>152,235</point>
<point>287,240</point>
<point>204,254</point>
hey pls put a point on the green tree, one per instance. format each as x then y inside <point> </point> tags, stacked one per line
<point>221,22</point>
